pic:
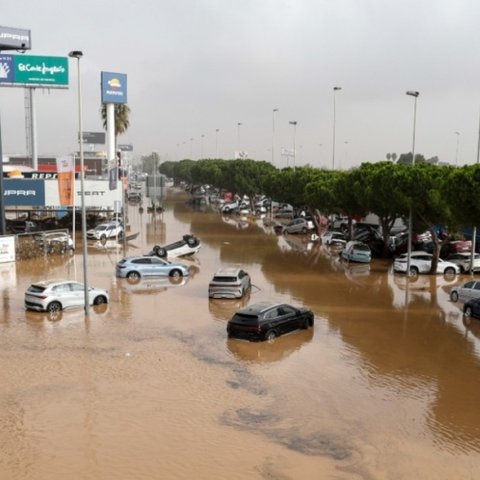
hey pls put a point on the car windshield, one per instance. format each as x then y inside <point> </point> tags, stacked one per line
<point>245,319</point>
<point>36,289</point>
<point>218,278</point>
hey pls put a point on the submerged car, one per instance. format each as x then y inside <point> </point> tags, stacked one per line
<point>298,225</point>
<point>229,282</point>
<point>135,268</point>
<point>56,295</point>
<point>54,242</point>
<point>421,262</point>
<point>266,321</point>
<point>105,230</point>
<point>356,251</point>
<point>465,292</point>
<point>472,308</point>
<point>462,259</point>
<point>333,237</point>
<point>188,245</point>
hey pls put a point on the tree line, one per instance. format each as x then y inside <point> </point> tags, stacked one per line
<point>435,195</point>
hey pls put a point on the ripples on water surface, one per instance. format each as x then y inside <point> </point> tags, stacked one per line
<point>150,387</point>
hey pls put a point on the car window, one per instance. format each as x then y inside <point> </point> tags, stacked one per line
<point>63,288</point>
<point>143,261</point>
<point>271,314</point>
<point>477,286</point>
<point>287,310</point>
<point>157,261</point>
<point>77,287</point>
<point>469,285</point>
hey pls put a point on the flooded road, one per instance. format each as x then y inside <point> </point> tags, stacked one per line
<point>386,385</point>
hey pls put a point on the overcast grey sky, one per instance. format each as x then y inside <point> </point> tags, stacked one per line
<point>195,66</point>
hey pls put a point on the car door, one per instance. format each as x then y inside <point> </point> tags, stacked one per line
<point>77,294</point>
<point>143,265</point>
<point>159,266</point>
<point>286,319</point>
<point>424,263</point>
<point>466,292</point>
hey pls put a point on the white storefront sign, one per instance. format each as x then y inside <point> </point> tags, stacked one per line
<point>97,194</point>
<point>7,249</point>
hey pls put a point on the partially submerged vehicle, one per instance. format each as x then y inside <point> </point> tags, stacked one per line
<point>356,251</point>
<point>188,245</point>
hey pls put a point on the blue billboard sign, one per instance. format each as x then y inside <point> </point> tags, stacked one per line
<point>114,87</point>
<point>24,192</point>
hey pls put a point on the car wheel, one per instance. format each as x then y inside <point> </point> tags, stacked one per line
<point>454,296</point>
<point>133,276</point>
<point>54,307</point>
<point>449,271</point>
<point>271,335</point>
<point>191,241</point>
<point>100,300</point>
<point>226,210</point>
<point>306,324</point>
<point>413,271</point>
<point>468,312</point>
<point>161,252</point>
<point>175,273</point>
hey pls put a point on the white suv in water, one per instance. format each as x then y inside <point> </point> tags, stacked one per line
<point>229,282</point>
<point>104,231</point>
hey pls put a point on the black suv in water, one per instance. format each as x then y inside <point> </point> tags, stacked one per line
<point>265,321</point>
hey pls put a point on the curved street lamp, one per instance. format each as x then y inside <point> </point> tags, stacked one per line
<point>415,94</point>
<point>294,123</point>
<point>335,89</point>
<point>273,135</point>
<point>78,55</point>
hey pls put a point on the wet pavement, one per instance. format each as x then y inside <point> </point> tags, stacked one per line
<point>385,386</point>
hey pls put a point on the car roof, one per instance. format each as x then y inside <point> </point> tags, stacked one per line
<point>49,283</point>
<point>227,271</point>
<point>257,308</point>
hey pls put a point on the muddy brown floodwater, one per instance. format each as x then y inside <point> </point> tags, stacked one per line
<point>386,385</point>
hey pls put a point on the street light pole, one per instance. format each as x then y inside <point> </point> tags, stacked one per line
<point>414,94</point>
<point>239,124</point>
<point>294,123</point>
<point>78,55</point>
<point>456,151</point>
<point>335,89</point>
<point>273,135</point>
<point>216,142</point>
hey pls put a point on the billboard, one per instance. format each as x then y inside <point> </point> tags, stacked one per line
<point>14,39</point>
<point>34,70</point>
<point>93,137</point>
<point>126,147</point>
<point>23,192</point>
<point>114,87</point>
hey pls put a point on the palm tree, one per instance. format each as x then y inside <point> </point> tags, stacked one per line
<point>122,122</point>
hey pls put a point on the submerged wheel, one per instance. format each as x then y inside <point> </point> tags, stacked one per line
<point>270,335</point>
<point>134,276</point>
<point>54,307</point>
<point>191,241</point>
<point>413,271</point>
<point>468,312</point>
<point>454,296</point>
<point>100,300</point>
<point>449,271</point>
<point>175,273</point>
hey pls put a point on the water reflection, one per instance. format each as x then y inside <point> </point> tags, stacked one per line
<point>223,309</point>
<point>267,352</point>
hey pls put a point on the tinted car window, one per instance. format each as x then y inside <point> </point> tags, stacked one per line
<point>245,319</point>
<point>224,279</point>
<point>144,261</point>
<point>469,285</point>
